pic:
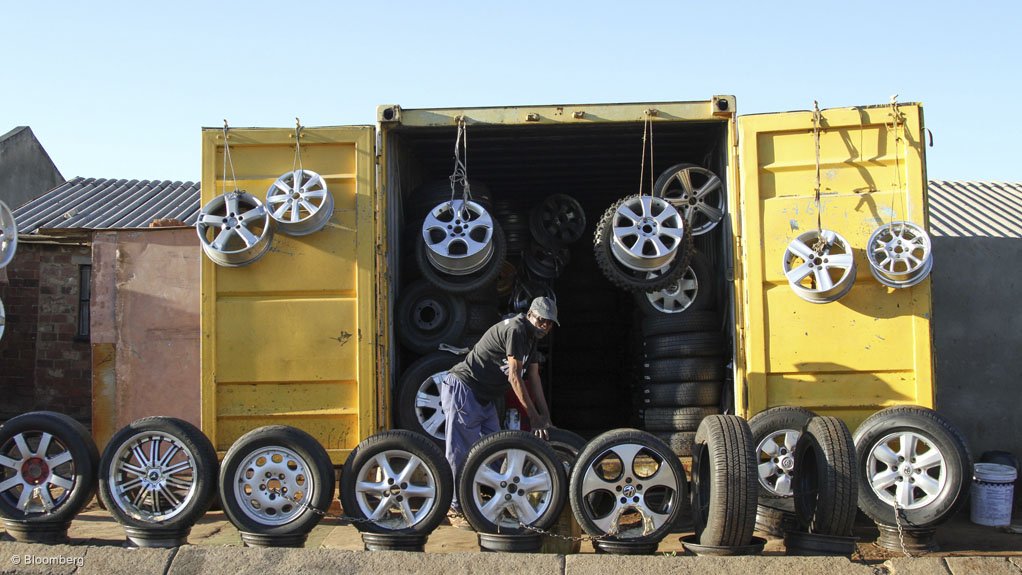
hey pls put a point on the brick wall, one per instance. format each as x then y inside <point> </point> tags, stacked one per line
<point>42,364</point>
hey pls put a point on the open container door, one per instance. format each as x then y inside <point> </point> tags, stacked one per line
<point>871,348</point>
<point>290,339</point>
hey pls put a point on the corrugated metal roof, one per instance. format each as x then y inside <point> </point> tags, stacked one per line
<point>975,209</point>
<point>96,203</point>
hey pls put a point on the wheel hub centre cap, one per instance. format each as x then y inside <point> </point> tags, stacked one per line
<point>787,463</point>
<point>35,471</point>
<point>906,470</point>
<point>153,475</point>
<point>232,222</point>
<point>628,491</point>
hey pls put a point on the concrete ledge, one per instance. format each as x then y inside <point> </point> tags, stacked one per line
<point>654,564</point>
<point>917,566</point>
<point>67,559</point>
<point>981,566</point>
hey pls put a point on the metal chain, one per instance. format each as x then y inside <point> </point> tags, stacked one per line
<point>901,530</point>
<point>817,120</point>
<point>323,514</point>
<point>583,538</point>
<point>228,161</point>
<point>460,173</point>
<point>647,128</point>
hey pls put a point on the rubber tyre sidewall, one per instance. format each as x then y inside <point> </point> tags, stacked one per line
<point>825,486</point>
<point>450,332</point>
<point>724,474</point>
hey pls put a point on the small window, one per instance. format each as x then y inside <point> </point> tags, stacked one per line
<point>84,292</point>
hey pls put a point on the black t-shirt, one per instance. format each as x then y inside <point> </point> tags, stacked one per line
<point>485,368</point>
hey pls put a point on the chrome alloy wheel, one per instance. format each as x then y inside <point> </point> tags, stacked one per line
<point>427,406</point>
<point>775,457</point>
<point>37,472</point>
<point>676,297</point>
<point>300,202</point>
<point>696,192</point>
<point>152,477</point>
<point>8,235</point>
<point>3,319</point>
<point>819,266</point>
<point>900,254</point>
<point>396,490</point>
<point>906,469</point>
<point>625,480</point>
<point>273,485</point>
<point>647,232</point>
<point>458,236</point>
<point>512,485</point>
<point>235,229</point>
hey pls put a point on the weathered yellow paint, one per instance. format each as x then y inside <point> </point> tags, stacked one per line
<point>872,348</point>
<point>291,339</point>
<point>104,392</point>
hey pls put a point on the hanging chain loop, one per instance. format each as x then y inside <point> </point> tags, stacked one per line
<point>460,173</point>
<point>817,120</point>
<point>228,161</point>
<point>647,132</point>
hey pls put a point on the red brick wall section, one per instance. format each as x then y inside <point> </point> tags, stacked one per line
<point>42,364</point>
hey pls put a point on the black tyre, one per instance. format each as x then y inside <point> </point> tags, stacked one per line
<point>428,316</point>
<point>418,399</point>
<point>482,317</point>
<point>410,493</point>
<point>663,324</point>
<point>461,284</point>
<point>775,433</point>
<point>511,477</point>
<point>676,418</point>
<point>629,483</point>
<point>694,290</point>
<point>276,481</point>
<point>681,442</point>
<point>825,491</point>
<point>916,458</point>
<point>158,473</point>
<point>724,482</point>
<point>685,394</point>
<point>48,465</point>
<point>681,345</point>
<point>632,280</point>
<point>567,445</point>
<point>557,221</point>
<point>683,369</point>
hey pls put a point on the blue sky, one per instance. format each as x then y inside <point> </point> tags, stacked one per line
<point>121,89</point>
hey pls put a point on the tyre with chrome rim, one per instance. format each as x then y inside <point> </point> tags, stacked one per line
<point>511,479</point>
<point>418,403</point>
<point>8,235</point>
<point>398,482</point>
<point>157,477</point>
<point>235,229</point>
<point>627,486</point>
<point>775,433</point>
<point>47,472</point>
<point>914,459</point>
<point>300,202</point>
<point>276,482</point>
<point>693,290</point>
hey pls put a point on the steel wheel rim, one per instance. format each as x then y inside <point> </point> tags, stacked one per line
<point>647,232</point>
<point>698,194</point>
<point>676,297</point>
<point>900,254</point>
<point>613,480</point>
<point>776,461</point>
<point>300,202</point>
<point>8,235</point>
<point>152,476</point>
<point>427,406</point>
<point>282,496</point>
<point>512,485</point>
<point>44,469</point>
<point>458,236</point>
<point>562,218</point>
<point>906,469</point>
<point>820,275</point>
<point>395,490</point>
<point>235,229</point>
<point>429,314</point>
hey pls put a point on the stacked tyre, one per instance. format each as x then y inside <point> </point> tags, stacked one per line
<point>683,356</point>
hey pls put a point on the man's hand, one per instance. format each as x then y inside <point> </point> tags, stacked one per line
<point>541,427</point>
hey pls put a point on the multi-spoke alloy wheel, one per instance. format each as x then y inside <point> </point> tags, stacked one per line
<point>775,433</point>
<point>419,395</point>
<point>158,474</point>
<point>397,481</point>
<point>696,192</point>
<point>511,479</point>
<point>300,202</point>
<point>458,237</point>
<point>3,319</point>
<point>8,235</point>
<point>906,469</point>
<point>235,229</point>
<point>647,233</point>
<point>820,266</point>
<point>628,485</point>
<point>899,254</point>
<point>557,221</point>
<point>47,468</point>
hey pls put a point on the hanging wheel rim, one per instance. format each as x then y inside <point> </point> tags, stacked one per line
<point>676,297</point>
<point>8,235</point>
<point>697,193</point>
<point>300,202</point>
<point>625,480</point>
<point>37,472</point>
<point>647,233</point>
<point>819,266</point>
<point>396,490</point>
<point>273,485</point>
<point>512,485</point>
<point>235,229</point>
<point>907,469</point>
<point>776,461</point>
<point>562,218</point>
<point>152,476</point>
<point>458,236</point>
<point>900,254</point>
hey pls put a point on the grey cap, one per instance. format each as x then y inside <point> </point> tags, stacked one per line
<point>545,308</point>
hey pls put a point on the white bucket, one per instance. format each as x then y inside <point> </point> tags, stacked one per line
<point>993,488</point>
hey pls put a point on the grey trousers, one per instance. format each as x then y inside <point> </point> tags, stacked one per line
<point>466,421</point>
